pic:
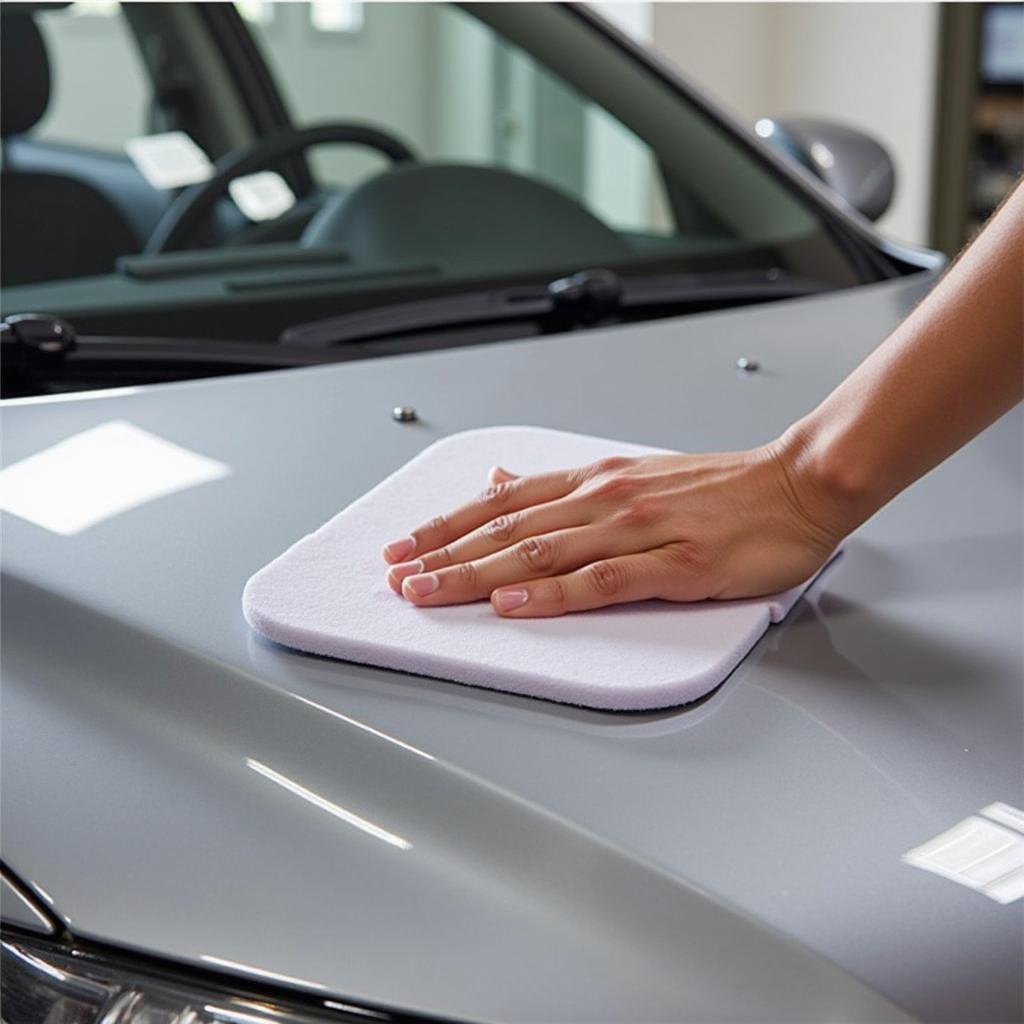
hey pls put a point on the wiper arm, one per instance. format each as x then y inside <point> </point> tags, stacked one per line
<point>578,300</point>
<point>40,354</point>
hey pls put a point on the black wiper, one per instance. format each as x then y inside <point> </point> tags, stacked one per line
<point>579,300</point>
<point>41,354</point>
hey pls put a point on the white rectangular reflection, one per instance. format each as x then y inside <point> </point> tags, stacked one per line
<point>326,805</point>
<point>100,473</point>
<point>169,160</point>
<point>1005,815</point>
<point>976,853</point>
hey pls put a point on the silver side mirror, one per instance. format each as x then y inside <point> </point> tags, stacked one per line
<point>847,160</point>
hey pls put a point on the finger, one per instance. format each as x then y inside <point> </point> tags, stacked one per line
<point>529,559</point>
<point>500,475</point>
<point>500,499</point>
<point>398,572</point>
<point>637,577</point>
<point>506,530</point>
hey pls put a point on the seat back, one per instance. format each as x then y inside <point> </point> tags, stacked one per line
<point>52,226</point>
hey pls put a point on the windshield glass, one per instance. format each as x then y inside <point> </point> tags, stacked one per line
<point>530,91</point>
<point>467,144</point>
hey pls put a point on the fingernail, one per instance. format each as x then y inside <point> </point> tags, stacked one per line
<point>398,549</point>
<point>422,585</point>
<point>506,600</point>
<point>403,569</point>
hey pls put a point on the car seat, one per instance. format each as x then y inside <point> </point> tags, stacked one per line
<point>53,226</point>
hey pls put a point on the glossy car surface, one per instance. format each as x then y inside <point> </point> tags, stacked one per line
<point>737,859</point>
<point>185,802</point>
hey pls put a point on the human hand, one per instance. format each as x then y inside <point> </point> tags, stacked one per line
<point>675,527</point>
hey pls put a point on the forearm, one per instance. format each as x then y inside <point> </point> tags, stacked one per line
<point>948,371</point>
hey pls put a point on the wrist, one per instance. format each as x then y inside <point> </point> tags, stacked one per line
<point>832,482</point>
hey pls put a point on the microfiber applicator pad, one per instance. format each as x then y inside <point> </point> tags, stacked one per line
<point>327,594</point>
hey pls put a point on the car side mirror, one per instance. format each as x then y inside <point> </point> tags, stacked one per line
<point>850,162</point>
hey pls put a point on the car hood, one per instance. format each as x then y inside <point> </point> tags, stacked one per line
<point>176,785</point>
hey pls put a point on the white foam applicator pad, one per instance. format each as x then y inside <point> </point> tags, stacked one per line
<point>327,594</point>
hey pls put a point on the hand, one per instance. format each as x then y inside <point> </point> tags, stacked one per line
<point>675,527</point>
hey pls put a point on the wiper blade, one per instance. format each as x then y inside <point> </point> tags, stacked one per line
<point>42,354</point>
<point>401,318</point>
<point>582,299</point>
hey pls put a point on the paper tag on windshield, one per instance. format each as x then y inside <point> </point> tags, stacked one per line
<point>262,196</point>
<point>169,160</point>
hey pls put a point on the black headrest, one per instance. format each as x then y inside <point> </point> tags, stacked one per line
<point>24,73</point>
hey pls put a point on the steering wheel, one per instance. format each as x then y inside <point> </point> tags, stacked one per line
<point>188,209</point>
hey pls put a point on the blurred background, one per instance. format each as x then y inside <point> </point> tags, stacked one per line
<point>940,86</point>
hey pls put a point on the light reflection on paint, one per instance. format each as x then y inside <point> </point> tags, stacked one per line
<point>71,396</point>
<point>365,727</point>
<point>42,892</point>
<point>333,1004</point>
<point>979,854</point>
<point>98,473</point>
<point>329,806</point>
<point>223,1013</point>
<point>234,965</point>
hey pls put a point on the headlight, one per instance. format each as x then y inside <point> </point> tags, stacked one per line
<point>49,983</point>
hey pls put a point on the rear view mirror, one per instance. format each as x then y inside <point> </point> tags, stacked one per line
<point>850,162</point>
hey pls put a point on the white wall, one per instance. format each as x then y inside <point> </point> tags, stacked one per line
<point>727,49</point>
<point>871,65</point>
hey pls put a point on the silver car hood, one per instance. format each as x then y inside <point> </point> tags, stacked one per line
<point>736,859</point>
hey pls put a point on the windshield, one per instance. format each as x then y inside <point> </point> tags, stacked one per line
<point>533,93</point>
<point>507,141</point>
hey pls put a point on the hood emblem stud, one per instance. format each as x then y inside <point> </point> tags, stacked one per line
<point>750,365</point>
<point>404,414</point>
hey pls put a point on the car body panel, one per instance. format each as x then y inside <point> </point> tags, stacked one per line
<point>562,863</point>
<point>18,908</point>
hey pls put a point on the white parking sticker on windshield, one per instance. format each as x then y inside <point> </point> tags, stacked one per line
<point>262,196</point>
<point>169,160</point>
<point>979,853</point>
<point>100,473</point>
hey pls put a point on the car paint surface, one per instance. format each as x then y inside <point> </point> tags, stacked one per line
<point>160,762</point>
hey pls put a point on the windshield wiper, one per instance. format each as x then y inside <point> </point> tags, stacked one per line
<point>583,299</point>
<point>41,354</point>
